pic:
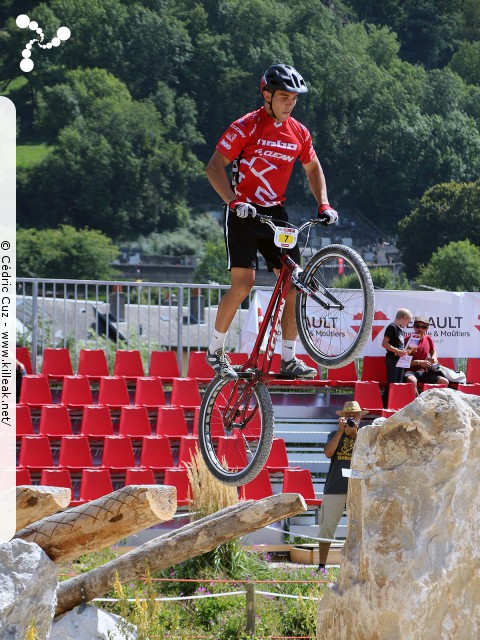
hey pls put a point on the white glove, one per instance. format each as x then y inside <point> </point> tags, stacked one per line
<point>327,215</point>
<point>243,209</point>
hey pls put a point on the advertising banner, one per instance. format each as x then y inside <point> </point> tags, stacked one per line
<point>454,320</point>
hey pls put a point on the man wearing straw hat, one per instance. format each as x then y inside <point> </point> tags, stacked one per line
<point>339,449</point>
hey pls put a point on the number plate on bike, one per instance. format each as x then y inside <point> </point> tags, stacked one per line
<point>285,237</point>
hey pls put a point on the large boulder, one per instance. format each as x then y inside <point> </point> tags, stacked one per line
<point>90,623</point>
<point>410,568</point>
<point>28,586</point>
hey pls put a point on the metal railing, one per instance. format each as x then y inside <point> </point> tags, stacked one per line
<point>119,315</point>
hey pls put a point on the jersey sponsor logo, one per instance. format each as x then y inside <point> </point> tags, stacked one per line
<point>269,153</point>
<point>225,144</point>
<point>231,136</point>
<point>238,130</point>
<point>291,146</point>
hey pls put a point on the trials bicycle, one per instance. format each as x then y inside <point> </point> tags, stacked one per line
<point>236,419</point>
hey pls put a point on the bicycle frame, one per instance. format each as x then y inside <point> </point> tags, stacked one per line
<point>275,309</point>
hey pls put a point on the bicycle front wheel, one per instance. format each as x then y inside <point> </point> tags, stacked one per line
<point>334,322</point>
<point>235,429</point>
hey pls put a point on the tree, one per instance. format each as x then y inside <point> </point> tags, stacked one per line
<point>212,267</point>
<point>446,213</point>
<point>382,277</point>
<point>83,254</point>
<point>454,267</point>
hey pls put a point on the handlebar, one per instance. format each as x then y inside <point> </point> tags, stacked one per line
<point>270,221</point>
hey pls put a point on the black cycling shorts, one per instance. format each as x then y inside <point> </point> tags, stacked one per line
<point>245,236</point>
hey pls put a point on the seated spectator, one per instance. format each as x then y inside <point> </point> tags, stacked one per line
<point>424,356</point>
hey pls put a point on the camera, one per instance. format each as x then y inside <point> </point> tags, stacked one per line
<point>351,422</point>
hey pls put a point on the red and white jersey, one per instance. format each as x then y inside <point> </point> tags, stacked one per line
<point>263,152</point>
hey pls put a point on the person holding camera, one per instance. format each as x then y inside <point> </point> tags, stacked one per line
<point>339,449</point>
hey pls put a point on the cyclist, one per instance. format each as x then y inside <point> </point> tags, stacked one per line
<point>262,147</point>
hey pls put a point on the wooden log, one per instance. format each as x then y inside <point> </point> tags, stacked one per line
<point>33,503</point>
<point>189,541</point>
<point>100,523</point>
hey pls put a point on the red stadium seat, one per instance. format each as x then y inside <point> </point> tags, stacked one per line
<point>24,424</point>
<point>113,392</point>
<point>23,477</point>
<point>118,453</point>
<point>274,364</point>
<point>95,484</point>
<point>56,478</point>
<point>139,476</point>
<point>473,370</point>
<point>156,453</point>
<point>171,422</point>
<point>188,450</point>
<point>343,376</point>
<point>471,389</point>
<point>368,396</point>
<point>374,369</point>
<point>134,422</point>
<point>447,362</point>
<point>35,452</point>
<point>96,422</point>
<point>23,356</point>
<point>278,458</point>
<point>164,365</point>
<point>198,367</point>
<point>35,391</point>
<point>149,393</point>
<point>56,363</point>
<point>128,364</point>
<point>75,453</point>
<point>258,488</point>
<point>93,364</point>
<point>178,478</point>
<point>55,421</point>
<point>76,391</point>
<point>185,394</point>
<point>300,481</point>
<point>399,395</point>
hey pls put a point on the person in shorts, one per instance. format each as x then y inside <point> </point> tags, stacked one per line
<point>339,449</point>
<point>394,344</point>
<point>262,147</point>
<point>425,356</point>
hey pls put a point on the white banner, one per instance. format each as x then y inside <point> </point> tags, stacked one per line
<point>454,320</point>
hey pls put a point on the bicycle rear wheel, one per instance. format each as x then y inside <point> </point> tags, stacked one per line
<point>235,429</point>
<point>335,336</point>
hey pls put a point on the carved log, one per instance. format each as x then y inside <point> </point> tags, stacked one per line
<point>103,522</point>
<point>34,503</point>
<point>187,542</point>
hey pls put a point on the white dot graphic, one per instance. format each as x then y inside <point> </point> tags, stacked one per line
<point>22,21</point>
<point>64,33</point>
<point>26,65</point>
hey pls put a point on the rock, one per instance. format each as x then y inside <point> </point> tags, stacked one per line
<point>91,624</point>
<point>410,568</point>
<point>28,586</point>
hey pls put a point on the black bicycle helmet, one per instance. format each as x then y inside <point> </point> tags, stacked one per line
<point>282,77</point>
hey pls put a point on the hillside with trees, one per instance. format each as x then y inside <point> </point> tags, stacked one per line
<point>115,126</point>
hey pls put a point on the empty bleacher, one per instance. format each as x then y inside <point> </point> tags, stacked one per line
<point>95,431</point>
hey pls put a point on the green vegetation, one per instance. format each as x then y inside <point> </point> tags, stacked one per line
<point>29,155</point>
<point>455,267</point>
<point>130,118</point>
<point>74,253</point>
